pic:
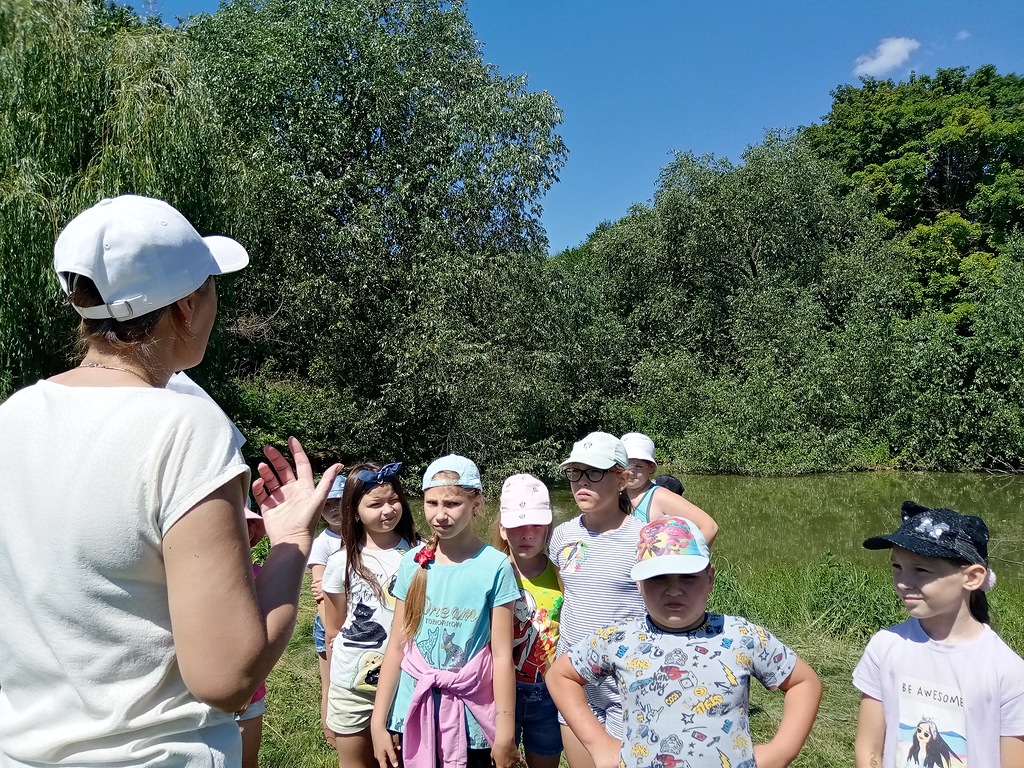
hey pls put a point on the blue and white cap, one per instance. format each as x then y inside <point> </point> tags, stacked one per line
<point>469,475</point>
<point>338,488</point>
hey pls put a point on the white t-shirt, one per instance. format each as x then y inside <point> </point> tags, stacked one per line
<point>358,649</point>
<point>92,479</point>
<point>180,382</point>
<point>940,698</point>
<point>324,545</point>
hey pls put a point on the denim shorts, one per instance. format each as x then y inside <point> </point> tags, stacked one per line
<point>319,639</point>
<point>255,709</point>
<point>537,720</point>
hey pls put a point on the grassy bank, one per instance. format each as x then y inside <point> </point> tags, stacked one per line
<point>825,611</point>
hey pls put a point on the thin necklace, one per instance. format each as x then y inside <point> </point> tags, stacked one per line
<point>115,368</point>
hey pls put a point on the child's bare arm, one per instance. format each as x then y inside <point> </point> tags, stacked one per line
<point>1011,751</point>
<point>335,608</point>
<point>802,690</point>
<point>566,688</point>
<point>867,747</point>
<point>390,671</point>
<point>667,503</point>
<point>504,751</point>
<point>317,573</point>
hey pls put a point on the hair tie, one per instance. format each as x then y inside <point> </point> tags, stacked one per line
<point>381,476</point>
<point>990,580</point>
<point>424,557</point>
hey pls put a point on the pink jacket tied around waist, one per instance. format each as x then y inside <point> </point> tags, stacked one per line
<point>470,686</point>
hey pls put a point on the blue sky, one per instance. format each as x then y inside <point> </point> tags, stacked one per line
<point>639,79</point>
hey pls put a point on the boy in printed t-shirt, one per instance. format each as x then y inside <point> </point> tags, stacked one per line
<point>684,674</point>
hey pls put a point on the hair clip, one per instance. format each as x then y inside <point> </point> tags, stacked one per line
<point>424,557</point>
<point>381,476</point>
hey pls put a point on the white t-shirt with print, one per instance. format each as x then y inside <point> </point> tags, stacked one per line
<point>93,478</point>
<point>358,650</point>
<point>685,695</point>
<point>941,698</point>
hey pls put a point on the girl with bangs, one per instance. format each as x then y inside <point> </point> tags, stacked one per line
<point>378,529</point>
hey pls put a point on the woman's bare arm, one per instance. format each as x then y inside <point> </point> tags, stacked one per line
<point>228,630</point>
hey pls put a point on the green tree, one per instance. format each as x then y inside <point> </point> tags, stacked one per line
<point>929,144</point>
<point>94,104</point>
<point>391,201</point>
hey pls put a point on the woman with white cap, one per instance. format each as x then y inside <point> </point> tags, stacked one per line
<point>133,627</point>
<point>650,501</point>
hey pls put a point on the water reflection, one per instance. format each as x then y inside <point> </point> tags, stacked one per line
<point>793,519</point>
<point>796,518</point>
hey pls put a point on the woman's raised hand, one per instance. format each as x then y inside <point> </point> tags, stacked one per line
<point>290,501</point>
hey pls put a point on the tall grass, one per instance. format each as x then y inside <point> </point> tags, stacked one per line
<point>826,610</point>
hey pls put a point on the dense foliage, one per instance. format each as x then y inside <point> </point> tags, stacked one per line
<point>845,297</point>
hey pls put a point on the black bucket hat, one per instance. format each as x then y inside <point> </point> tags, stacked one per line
<point>938,532</point>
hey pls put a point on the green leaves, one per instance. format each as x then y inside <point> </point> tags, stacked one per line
<point>848,296</point>
<point>94,104</point>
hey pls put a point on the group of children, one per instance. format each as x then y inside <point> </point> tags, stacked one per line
<point>594,638</point>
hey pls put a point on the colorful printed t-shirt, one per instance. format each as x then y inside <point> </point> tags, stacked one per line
<point>940,700</point>
<point>685,695</point>
<point>534,628</point>
<point>358,649</point>
<point>595,571</point>
<point>456,622</point>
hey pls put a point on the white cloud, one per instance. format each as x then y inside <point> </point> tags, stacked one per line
<point>890,53</point>
<point>962,35</point>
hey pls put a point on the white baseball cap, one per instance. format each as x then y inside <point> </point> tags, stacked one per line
<point>524,501</point>
<point>639,446</point>
<point>599,450</point>
<point>142,255</point>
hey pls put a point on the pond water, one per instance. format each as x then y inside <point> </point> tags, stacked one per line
<point>793,519</point>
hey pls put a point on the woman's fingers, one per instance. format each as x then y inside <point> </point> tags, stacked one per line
<point>324,486</point>
<point>302,468</point>
<point>280,463</point>
<point>268,478</point>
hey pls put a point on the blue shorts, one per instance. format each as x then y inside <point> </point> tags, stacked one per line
<point>537,720</point>
<point>319,638</point>
<point>254,710</point>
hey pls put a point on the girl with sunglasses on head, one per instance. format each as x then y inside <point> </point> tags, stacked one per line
<point>594,553</point>
<point>326,544</point>
<point>359,603</point>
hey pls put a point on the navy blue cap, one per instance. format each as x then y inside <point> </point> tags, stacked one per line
<point>937,532</point>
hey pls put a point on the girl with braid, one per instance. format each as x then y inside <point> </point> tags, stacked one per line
<point>447,685</point>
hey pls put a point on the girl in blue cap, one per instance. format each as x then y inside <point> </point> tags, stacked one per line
<point>448,667</point>
<point>940,689</point>
<point>324,545</point>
